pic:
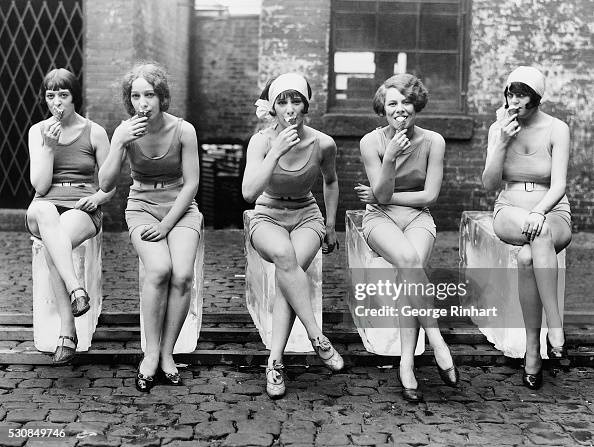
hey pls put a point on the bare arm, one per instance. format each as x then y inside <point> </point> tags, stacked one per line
<point>42,147</point>
<point>260,164</point>
<point>191,174</point>
<point>500,135</point>
<point>124,134</point>
<point>101,143</point>
<point>328,167</point>
<point>560,159</point>
<point>381,174</point>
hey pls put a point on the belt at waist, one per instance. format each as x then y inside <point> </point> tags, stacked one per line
<point>78,184</point>
<point>526,186</point>
<point>161,184</point>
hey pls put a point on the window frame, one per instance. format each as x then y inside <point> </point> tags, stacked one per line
<point>334,106</point>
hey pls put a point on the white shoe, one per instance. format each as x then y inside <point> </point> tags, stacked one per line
<point>330,356</point>
<point>275,380</point>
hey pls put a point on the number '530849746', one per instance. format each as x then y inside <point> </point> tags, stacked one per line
<point>36,433</point>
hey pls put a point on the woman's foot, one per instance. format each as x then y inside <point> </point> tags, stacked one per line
<point>445,365</point>
<point>532,376</point>
<point>275,380</point>
<point>556,350</point>
<point>79,302</point>
<point>408,381</point>
<point>145,376</point>
<point>168,372</point>
<point>330,356</point>
<point>65,350</point>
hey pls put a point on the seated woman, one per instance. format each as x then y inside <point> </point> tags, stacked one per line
<point>283,162</point>
<point>404,165</point>
<point>65,151</point>
<point>163,218</point>
<point>528,151</point>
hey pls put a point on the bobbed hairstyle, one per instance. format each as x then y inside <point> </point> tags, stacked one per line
<point>287,94</point>
<point>60,78</point>
<point>408,85</point>
<point>155,75</point>
<point>521,89</point>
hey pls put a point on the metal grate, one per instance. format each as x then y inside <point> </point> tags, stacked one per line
<point>35,36</point>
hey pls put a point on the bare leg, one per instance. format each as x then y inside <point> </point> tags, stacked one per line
<point>155,288</point>
<point>531,308</point>
<point>274,245</point>
<point>409,253</point>
<point>183,245</point>
<point>306,244</point>
<point>78,227</point>
<point>554,237</point>
<point>43,219</point>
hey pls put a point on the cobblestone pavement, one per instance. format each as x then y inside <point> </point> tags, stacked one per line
<point>224,259</point>
<point>97,405</point>
<point>225,406</point>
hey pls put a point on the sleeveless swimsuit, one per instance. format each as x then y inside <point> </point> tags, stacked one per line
<point>74,162</point>
<point>157,183</point>
<point>411,171</point>
<point>288,201</point>
<point>534,167</point>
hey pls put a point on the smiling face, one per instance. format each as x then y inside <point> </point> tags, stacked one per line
<point>397,106</point>
<point>143,98</point>
<point>59,102</point>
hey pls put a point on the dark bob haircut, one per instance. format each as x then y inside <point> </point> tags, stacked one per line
<point>408,85</point>
<point>521,89</point>
<point>155,75</point>
<point>60,78</point>
<point>288,94</point>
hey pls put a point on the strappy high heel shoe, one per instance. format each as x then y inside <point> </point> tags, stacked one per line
<point>143,383</point>
<point>326,352</point>
<point>275,380</point>
<point>173,379</point>
<point>63,354</point>
<point>532,381</point>
<point>558,355</point>
<point>80,304</point>
<point>413,395</point>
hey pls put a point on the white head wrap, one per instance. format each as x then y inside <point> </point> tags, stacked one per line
<point>287,81</point>
<point>530,76</point>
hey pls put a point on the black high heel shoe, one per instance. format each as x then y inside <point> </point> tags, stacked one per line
<point>80,305</point>
<point>532,381</point>
<point>170,378</point>
<point>63,354</point>
<point>450,376</point>
<point>413,395</point>
<point>143,383</point>
<point>558,355</point>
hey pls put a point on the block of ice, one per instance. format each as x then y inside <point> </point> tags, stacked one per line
<point>261,290</point>
<point>188,336</point>
<point>491,267</point>
<point>367,267</point>
<point>46,319</point>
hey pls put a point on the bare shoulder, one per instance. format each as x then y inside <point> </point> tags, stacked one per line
<point>188,128</point>
<point>369,140</point>
<point>435,137</point>
<point>326,142</point>
<point>97,130</point>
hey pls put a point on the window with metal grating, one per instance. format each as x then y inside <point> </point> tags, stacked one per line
<point>35,36</point>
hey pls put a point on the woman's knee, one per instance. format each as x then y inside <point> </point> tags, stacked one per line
<point>43,212</point>
<point>524,257</point>
<point>283,257</point>
<point>406,259</point>
<point>158,275</point>
<point>182,281</point>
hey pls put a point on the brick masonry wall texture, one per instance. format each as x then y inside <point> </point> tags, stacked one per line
<point>224,62</point>
<point>118,34</point>
<point>550,34</point>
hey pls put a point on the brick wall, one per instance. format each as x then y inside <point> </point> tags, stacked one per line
<point>118,34</point>
<point>552,35</point>
<point>224,61</point>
